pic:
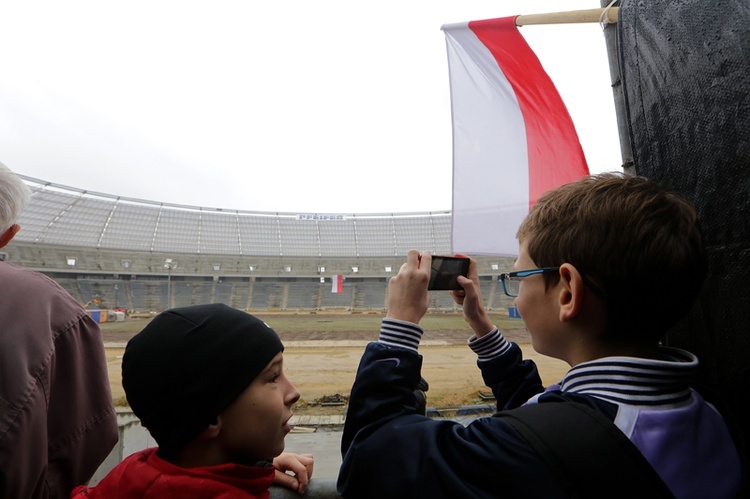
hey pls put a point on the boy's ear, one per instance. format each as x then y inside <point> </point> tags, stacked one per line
<point>571,292</point>
<point>212,430</point>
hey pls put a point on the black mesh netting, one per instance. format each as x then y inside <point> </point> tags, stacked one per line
<point>686,83</point>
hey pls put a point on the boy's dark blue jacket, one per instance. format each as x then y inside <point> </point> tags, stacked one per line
<point>391,451</point>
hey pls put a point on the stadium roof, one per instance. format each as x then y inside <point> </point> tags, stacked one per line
<point>67,216</point>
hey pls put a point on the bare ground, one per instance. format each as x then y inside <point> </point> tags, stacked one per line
<point>323,364</point>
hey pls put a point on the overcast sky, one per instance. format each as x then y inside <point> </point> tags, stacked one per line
<point>296,106</point>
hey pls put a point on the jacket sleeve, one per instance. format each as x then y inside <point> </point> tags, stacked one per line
<point>82,422</point>
<point>57,420</point>
<point>388,448</point>
<point>513,379</point>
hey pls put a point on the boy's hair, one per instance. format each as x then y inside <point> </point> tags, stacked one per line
<point>14,195</point>
<point>639,243</point>
<point>189,364</point>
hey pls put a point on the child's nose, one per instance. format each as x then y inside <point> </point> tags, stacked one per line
<point>294,394</point>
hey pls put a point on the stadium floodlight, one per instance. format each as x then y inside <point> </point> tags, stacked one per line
<point>321,268</point>
<point>170,265</point>
<point>125,264</point>
<point>355,269</point>
<point>216,267</point>
<point>495,266</point>
<point>322,279</point>
<point>71,261</point>
<point>252,268</point>
<point>287,268</point>
<point>388,268</point>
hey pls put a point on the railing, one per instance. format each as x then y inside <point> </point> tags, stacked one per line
<point>323,488</point>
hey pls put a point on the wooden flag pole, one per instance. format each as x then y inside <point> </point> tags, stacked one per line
<point>573,16</point>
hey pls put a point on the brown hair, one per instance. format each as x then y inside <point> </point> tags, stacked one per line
<point>638,242</point>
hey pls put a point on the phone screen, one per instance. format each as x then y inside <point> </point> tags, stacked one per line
<point>445,271</point>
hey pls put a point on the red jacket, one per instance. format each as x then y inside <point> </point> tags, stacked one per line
<point>145,475</point>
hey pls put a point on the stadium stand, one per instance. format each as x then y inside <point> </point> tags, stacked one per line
<point>114,252</point>
<point>148,256</point>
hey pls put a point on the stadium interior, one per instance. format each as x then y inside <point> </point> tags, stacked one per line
<point>140,256</point>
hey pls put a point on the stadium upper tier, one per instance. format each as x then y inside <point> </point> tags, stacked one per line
<point>67,216</point>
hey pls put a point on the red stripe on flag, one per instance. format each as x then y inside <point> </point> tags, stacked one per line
<point>555,153</point>
<point>337,284</point>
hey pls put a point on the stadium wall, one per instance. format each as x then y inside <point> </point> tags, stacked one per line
<point>274,283</point>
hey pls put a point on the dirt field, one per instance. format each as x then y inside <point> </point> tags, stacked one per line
<point>323,351</point>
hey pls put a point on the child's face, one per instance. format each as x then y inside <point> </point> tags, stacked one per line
<point>536,305</point>
<point>255,424</point>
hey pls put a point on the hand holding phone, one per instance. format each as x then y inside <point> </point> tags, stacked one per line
<point>445,270</point>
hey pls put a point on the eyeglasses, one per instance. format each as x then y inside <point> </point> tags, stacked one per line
<point>512,281</point>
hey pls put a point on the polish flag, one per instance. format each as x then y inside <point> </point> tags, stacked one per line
<point>513,138</point>
<point>338,284</point>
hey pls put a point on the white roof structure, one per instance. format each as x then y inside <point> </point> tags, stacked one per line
<point>67,216</point>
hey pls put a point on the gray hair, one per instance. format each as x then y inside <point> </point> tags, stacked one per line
<point>14,195</point>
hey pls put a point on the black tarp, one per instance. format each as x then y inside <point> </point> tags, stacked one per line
<point>686,115</point>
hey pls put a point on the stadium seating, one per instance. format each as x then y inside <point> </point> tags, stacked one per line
<point>116,250</point>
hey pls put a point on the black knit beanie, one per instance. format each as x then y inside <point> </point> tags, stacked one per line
<point>188,364</point>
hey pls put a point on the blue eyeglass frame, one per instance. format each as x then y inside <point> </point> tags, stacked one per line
<point>524,273</point>
<point>545,270</point>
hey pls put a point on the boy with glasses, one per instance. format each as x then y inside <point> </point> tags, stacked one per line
<point>606,265</point>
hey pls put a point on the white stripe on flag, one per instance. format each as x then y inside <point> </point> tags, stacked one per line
<point>513,138</point>
<point>490,162</point>
<point>337,283</point>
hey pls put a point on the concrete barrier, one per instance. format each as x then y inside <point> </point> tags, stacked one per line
<point>133,437</point>
<point>318,488</point>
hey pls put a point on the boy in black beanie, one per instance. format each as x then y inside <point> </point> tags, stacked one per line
<point>207,381</point>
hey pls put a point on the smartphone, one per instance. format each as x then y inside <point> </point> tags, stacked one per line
<point>445,271</point>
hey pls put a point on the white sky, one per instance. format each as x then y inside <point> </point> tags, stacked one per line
<point>296,106</point>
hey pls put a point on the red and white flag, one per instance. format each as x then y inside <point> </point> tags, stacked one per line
<point>513,138</point>
<point>338,283</point>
